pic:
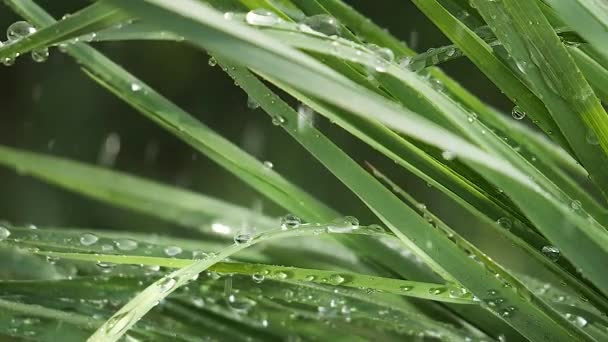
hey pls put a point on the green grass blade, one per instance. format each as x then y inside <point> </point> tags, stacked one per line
<point>552,73</point>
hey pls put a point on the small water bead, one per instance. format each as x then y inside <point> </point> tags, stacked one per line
<point>125,244</point>
<point>323,23</point>
<point>290,221</point>
<point>278,120</point>
<point>551,252</point>
<point>229,15</point>
<point>280,275</point>
<point>268,164</point>
<point>262,17</point>
<point>88,239</point>
<point>257,277</point>
<point>310,278</point>
<point>384,56</point>
<point>166,284</point>
<point>517,113</point>
<point>336,279</point>
<point>448,155</point>
<point>252,103</point>
<point>242,237</point>
<point>212,62</point>
<point>406,288</point>
<point>4,233</point>
<point>576,205</point>
<point>343,224</point>
<point>458,292</point>
<point>172,250</point>
<point>505,222</point>
<point>40,55</point>
<point>437,290</point>
<point>18,30</point>
<point>135,87</point>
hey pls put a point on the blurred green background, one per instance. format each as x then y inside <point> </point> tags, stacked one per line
<point>54,108</point>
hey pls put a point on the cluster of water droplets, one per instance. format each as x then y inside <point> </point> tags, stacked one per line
<point>17,31</point>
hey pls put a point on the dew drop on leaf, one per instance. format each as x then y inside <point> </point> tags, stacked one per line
<point>88,239</point>
<point>551,252</point>
<point>172,250</point>
<point>261,17</point>
<point>290,221</point>
<point>517,113</point>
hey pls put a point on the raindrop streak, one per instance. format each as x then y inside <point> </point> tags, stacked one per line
<point>262,17</point>
<point>551,252</point>
<point>88,239</point>
<point>517,113</point>
<point>323,23</point>
<point>290,221</point>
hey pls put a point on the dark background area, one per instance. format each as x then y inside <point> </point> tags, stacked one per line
<point>54,108</point>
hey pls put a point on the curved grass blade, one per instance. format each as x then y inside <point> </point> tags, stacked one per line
<point>551,72</point>
<point>368,190</point>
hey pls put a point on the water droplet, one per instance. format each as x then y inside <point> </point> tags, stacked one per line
<point>580,321</point>
<point>278,120</point>
<point>551,252</point>
<point>517,113</point>
<point>437,290</point>
<point>458,292</point>
<point>323,23</point>
<point>448,155</point>
<point>212,62</point>
<point>268,164</point>
<point>135,87</point>
<point>229,15</point>
<point>336,279</point>
<point>492,292</point>
<point>576,205</point>
<point>257,277</point>
<point>18,30</point>
<point>591,137</point>
<point>166,284</point>
<point>242,237</point>
<point>281,275</point>
<point>4,233</point>
<point>344,224</point>
<point>88,239</point>
<point>125,244</point>
<point>384,56</point>
<point>472,118</point>
<point>412,63</point>
<point>262,17</point>
<point>40,55</point>
<point>172,250</point>
<point>505,222</point>
<point>290,221</point>
<point>309,278</point>
<point>252,103</point>
<point>406,288</point>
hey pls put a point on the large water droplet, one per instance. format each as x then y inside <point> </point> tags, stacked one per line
<point>4,233</point>
<point>336,279</point>
<point>125,244</point>
<point>40,55</point>
<point>323,23</point>
<point>517,113</point>
<point>290,221</point>
<point>88,239</point>
<point>268,164</point>
<point>166,284</point>
<point>242,237</point>
<point>18,30</point>
<point>384,56</point>
<point>262,17</point>
<point>505,222</point>
<point>344,224</point>
<point>257,277</point>
<point>551,252</point>
<point>172,250</point>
